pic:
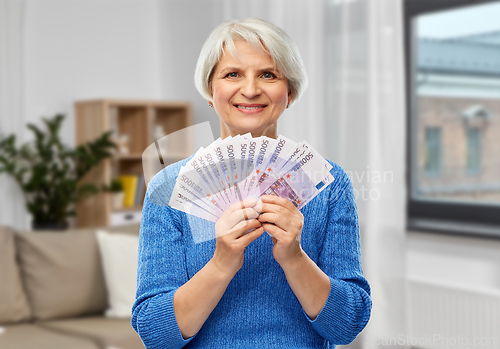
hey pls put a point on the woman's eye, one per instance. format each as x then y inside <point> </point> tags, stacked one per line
<point>268,75</point>
<point>232,75</point>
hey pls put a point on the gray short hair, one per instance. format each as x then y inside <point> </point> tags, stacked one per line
<point>263,36</point>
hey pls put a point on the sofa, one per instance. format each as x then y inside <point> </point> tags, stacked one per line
<point>55,290</point>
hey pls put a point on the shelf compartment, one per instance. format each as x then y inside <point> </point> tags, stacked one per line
<point>133,122</point>
<point>137,120</point>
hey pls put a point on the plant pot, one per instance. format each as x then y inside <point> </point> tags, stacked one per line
<point>49,226</point>
<point>117,200</point>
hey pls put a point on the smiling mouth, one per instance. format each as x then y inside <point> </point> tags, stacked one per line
<point>250,107</point>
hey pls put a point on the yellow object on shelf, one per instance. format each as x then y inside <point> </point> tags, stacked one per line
<point>129,183</point>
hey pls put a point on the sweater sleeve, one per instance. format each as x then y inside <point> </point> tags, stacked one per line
<point>348,307</point>
<point>161,271</point>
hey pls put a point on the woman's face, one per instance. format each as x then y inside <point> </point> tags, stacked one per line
<point>248,94</point>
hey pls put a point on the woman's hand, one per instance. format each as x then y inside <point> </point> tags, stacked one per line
<point>284,222</point>
<point>281,219</point>
<point>197,298</point>
<point>235,230</point>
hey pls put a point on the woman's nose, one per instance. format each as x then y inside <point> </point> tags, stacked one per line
<point>250,88</point>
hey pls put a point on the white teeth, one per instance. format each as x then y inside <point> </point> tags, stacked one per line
<point>242,107</point>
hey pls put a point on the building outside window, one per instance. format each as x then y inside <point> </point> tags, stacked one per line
<point>432,150</point>
<point>473,150</point>
<point>453,74</point>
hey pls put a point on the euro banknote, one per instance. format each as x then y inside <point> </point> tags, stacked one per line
<point>233,169</point>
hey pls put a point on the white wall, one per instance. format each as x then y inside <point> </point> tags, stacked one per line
<point>184,27</point>
<point>461,261</point>
<point>83,49</point>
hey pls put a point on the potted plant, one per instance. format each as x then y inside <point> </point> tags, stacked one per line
<point>49,172</point>
<point>116,191</point>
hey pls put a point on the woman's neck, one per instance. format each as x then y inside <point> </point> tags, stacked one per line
<point>271,132</point>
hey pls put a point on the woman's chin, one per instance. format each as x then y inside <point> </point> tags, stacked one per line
<point>255,128</point>
<point>256,132</point>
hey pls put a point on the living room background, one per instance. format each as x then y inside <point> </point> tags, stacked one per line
<point>55,52</point>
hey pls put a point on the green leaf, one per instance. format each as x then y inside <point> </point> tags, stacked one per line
<point>48,172</point>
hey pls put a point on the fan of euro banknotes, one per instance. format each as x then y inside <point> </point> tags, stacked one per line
<point>236,168</point>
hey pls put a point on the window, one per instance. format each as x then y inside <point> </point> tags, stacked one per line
<point>453,93</point>
<point>473,150</point>
<point>432,150</point>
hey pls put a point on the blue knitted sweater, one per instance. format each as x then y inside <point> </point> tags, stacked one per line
<point>258,308</point>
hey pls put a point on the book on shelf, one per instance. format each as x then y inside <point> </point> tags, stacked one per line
<point>129,183</point>
<point>133,189</point>
<point>139,191</point>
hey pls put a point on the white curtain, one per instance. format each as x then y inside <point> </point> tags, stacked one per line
<point>12,211</point>
<point>366,115</point>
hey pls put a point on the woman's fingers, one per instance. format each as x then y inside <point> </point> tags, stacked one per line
<point>235,230</point>
<point>236,213</point>
<point>251,236</point>
<point>240,211</point>
<point>277,219</point>
<point>244,226</point>
<point>245,203</point>
<point>239,216</point>
<point>271,203</point>
<point>250,214</point>
<point>281,212</point>
<point>275,231</point>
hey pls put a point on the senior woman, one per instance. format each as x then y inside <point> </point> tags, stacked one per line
<point>299,286</point>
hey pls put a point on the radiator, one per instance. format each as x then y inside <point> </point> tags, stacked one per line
<point>444,316</point>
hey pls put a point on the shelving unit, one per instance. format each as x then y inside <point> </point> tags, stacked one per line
<point>137,120</point>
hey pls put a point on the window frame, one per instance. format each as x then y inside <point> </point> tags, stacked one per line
<point>481,220</point>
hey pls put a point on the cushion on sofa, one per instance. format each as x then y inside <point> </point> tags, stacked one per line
<point>62,273</point>
<point>25,336</point>
<point>115,333</point>
<point>131,229</point>
<point>13,304</point>
<point>119,262</point>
